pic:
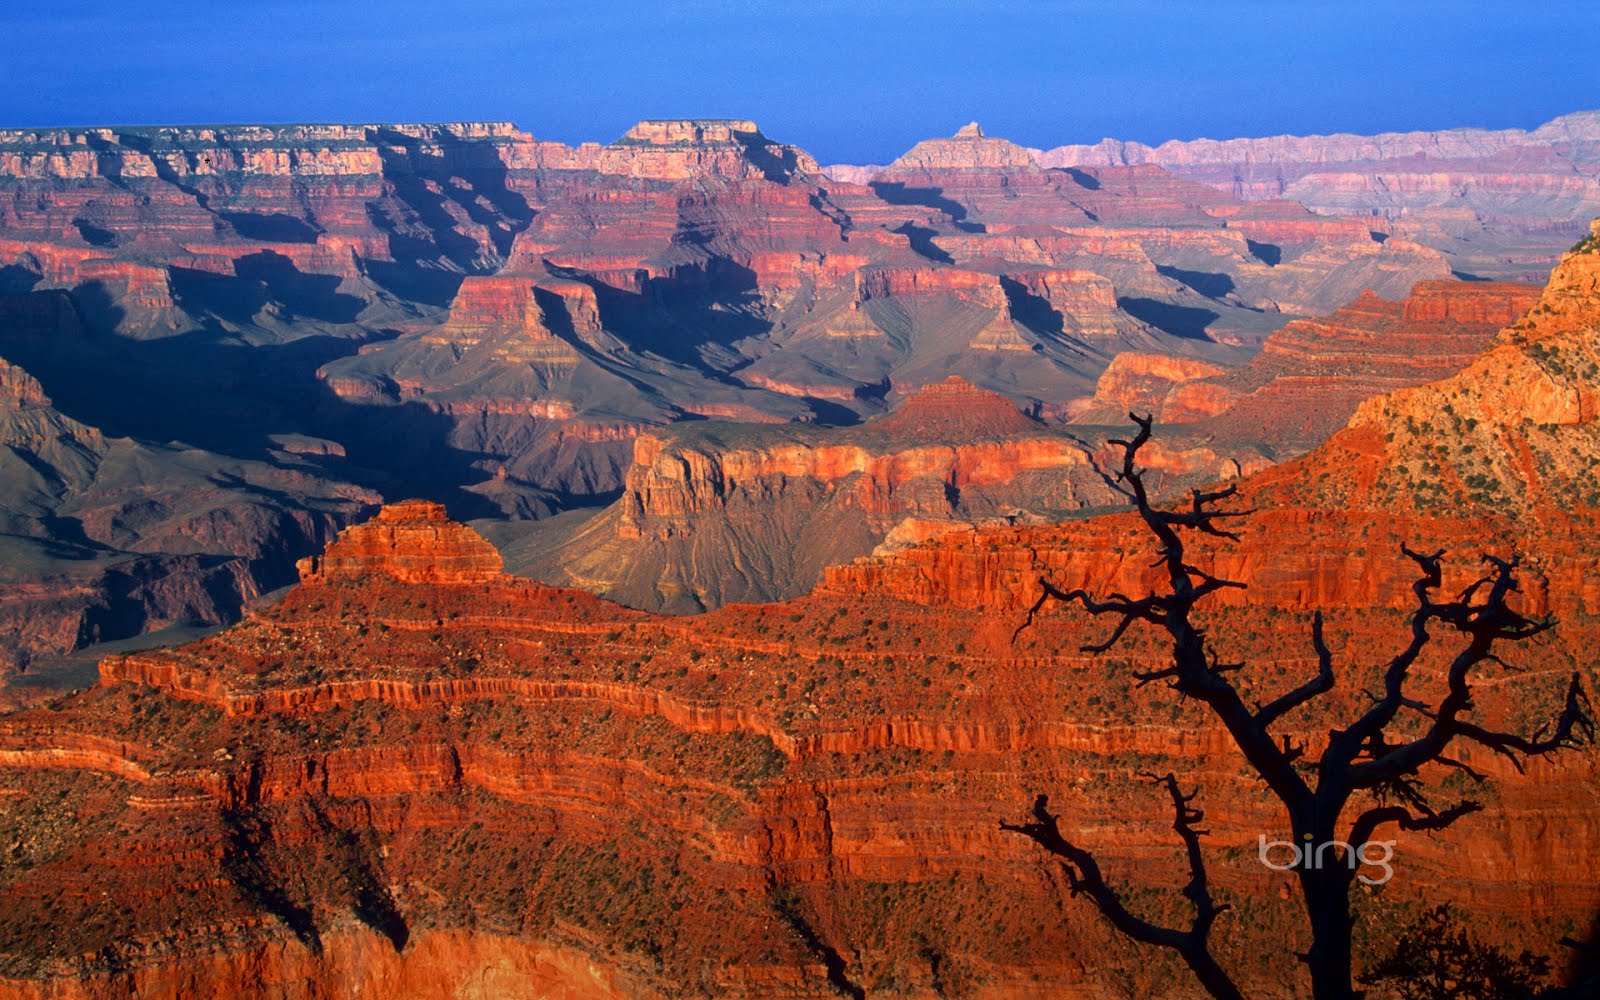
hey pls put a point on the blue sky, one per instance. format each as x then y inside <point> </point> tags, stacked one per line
<point>856,81</point>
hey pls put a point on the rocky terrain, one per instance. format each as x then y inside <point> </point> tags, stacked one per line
<point>1489,198</point>
<point>1498,456</point>
<point>712,513</point>
<point>272,328</point>
<point>1310,376</point>
<point>419,775</point>
<point>104,537</point>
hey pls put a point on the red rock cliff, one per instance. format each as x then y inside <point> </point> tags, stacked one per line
<point>412,542</point>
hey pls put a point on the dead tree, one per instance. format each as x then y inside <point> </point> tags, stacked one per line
<point>1366,767</point>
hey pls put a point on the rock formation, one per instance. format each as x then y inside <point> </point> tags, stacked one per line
<point>102,538</point>
<point>412,542</point>
<point>330,315</point>
<point>711,514</point>
<point>1311,375</point>
<point>968,149</point>
<point>1143,383</point>
<point>1513,434</point>
<point>954,410</point>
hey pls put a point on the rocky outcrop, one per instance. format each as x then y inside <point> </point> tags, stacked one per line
<point>682,149</point>
<point>103,538</point>
<point>413,542</point>
<point>719,514</point>
<point>1513,433</point>
<point>504,309</point>
<point>954,410</point>
<point>968,149</point>
<point>1311,375</point>
<point>1085,302</point>
<point>1142,383</point>
<point>500,786</point>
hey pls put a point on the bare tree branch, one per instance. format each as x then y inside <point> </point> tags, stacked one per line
<point>1198,890</point>
<point>1322,683</point>
<point>1084,878</point>
<point>1366,825</point>
<point>1359,759</point>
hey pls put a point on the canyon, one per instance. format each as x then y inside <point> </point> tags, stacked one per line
<point>105,537</point>
<point>420,774</point>
<point>712,513</point>
<point>716,512</point>
<point>1311,375</point>
<point>224,343</point>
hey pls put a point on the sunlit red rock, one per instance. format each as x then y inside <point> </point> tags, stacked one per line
<point>412,542</point>
<point>718,514</point>
<point>1311,375</point>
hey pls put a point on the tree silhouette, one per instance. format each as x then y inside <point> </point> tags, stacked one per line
<point>1437,959</point>
<point>1365,765</point>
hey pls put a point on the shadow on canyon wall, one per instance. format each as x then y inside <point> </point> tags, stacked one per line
<point>208,389</point>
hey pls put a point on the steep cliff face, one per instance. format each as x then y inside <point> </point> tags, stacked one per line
<point>678,150</point>
<point>324,315</point>
<point>1310,376</point>
<point>1497,456</point>
<point>1513,433</point>
<point>720,514</point>
<point>1085,301</point>
<point>412,542</point>
<point>104,538</point>
<point>1143,383</point>
<point>1490,198</point>
<point>479,785</point>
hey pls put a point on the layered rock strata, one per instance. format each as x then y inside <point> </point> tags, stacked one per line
<point>1310,376</point>
<point>719,513</point>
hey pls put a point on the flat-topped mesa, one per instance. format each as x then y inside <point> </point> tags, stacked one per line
<point>955,410</point>
<point>698,131</point>
<point>731,149</point>
<point>1491,303</point>
<point>195,153</point>
<point>968,149</point>
<point>411,542</point>
<point>520,314</point>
